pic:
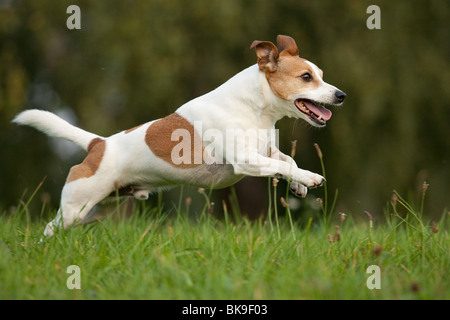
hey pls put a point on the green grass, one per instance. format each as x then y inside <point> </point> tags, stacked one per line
<point>160,255</point>
<point>171,254</point>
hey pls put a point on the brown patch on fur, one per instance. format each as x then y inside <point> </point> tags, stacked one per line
<point>159,139</point>
<point>91,163</point>
<point>285,82</point>
<point>283,67</point>
<point>132,129</point>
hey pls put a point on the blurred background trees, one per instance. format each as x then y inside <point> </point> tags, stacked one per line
<point>133,61</point>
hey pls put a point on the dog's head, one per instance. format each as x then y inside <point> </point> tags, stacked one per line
<point>297,81</point>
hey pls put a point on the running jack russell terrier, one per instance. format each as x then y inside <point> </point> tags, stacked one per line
<point>187,147</point>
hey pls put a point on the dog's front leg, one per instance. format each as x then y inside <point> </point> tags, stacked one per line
<point>275,153</point>
<point>258,165</point>
<point>296,187</point>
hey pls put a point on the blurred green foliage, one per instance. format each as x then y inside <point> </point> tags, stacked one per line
<point>133,61</point>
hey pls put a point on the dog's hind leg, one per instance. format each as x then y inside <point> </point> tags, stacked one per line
<point>87,184</point>
<point>77,200</point>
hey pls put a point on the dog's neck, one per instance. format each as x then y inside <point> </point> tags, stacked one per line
<point>248,94</point>
<point>251,88</point>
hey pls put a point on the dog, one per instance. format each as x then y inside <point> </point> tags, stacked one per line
<point>173,150</point>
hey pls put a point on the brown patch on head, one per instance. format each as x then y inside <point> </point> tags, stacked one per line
<point>287,45</point>
<point>283,67</point>
<point>91,163</point>
<point>287,82</point>
<point>159,139</point>
<point>132,129</point>
<point>267,55</point>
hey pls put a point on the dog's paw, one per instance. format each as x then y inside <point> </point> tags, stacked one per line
<point>298,189</point>
<point>318,180</point>
<point>140,194</point>
<point>311,179</point>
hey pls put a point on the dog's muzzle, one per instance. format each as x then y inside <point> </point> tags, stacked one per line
<point>316,111</point>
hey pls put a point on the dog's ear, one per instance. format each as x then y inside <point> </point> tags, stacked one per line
<point>267,54</point>
<point>287,45</point>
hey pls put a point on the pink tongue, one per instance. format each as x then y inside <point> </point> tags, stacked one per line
<point>319,111</point>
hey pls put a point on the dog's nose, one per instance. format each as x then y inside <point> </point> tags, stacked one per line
<point>340,96</point>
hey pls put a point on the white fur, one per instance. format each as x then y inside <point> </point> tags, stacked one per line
<point>54,126</point>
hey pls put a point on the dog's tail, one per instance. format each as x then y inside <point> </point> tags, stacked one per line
<point>54,126</point>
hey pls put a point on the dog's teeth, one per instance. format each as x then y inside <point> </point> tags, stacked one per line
<point>304,108</point>
<point>320,117</point>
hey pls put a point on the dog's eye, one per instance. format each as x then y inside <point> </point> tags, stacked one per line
<point>306,77</point>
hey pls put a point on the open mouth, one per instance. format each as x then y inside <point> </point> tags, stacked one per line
<point>316,112</point>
